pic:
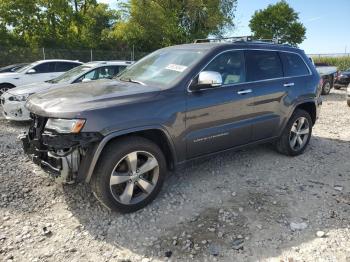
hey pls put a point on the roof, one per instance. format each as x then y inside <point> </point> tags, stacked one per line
<point>57,60</point>
<point>112,62</point>
<point>253,44</point>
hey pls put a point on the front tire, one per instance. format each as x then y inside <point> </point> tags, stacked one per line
<point>296,135</point>
<point>5,87</point>
<point>129,174</point>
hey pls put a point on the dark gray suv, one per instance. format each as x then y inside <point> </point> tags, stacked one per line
<point>176,104</point>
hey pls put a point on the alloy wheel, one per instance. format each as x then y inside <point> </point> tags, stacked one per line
<point>3,90</point>
<point>327,88</point>
<point>134,177</point>
<point>299,133</point>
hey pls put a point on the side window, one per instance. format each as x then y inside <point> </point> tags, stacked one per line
<point>230,65</point>
<point>45,68</point>
<point>293,65</point>
<point>92,75</point>
<point>64,66</point>
<point>106,72</point>
<point>118,69</point>
<point>263,65</point>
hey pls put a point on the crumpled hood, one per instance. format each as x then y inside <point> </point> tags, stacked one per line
<point>63,101</point>
<point>31,88</point>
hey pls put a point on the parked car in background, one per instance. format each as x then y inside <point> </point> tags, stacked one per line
<point>12,68</point>
<point>328,74</point>
<point>35,72</point>
<point>174,105</point>
<point>13,100</point>
<point>343,79</point>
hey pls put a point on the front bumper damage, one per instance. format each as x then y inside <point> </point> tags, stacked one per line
<point>64,156</point>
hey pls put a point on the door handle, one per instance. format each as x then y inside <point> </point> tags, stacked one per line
<point>288,84</point>
<point>245,91</point>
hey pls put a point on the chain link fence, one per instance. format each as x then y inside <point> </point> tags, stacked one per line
<point>15,55</point>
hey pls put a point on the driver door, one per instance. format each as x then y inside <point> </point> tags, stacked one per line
<point>218,118</point>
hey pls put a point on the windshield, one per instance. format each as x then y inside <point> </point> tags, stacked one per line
<point>70,75</point>
<point>162,67</point>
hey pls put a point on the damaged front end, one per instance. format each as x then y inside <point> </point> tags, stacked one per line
<point>64,155</point>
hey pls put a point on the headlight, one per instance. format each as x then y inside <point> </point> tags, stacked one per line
<point>19,98</point>
<point>65,126</point>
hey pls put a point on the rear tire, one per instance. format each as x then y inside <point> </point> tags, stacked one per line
<point>129,174</point>
<point>296,135</point>
<point>326,87</point>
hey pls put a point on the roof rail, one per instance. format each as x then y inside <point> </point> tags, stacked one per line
<point>238,39</point>
<point>224,39</point>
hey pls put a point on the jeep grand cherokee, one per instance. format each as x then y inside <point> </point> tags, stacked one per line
<point>176,104</point>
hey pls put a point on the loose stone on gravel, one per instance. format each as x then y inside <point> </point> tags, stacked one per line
<point>298,226</point>
<point>320,234</point>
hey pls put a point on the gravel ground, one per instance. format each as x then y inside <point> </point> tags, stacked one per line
<point>251,205</point>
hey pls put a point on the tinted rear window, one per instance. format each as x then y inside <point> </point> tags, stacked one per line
<point>293,65</point>
<point>46,67</point>
<point>263,65</point>
<point>65,66</point>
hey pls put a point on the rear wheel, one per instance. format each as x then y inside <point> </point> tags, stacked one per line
<point>129,174</point>
<point>4,88</point>
<point>326,88</point>
<point>296,135</point>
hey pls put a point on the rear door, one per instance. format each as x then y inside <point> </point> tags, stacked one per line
<point>265,73</point>
<point>219,118</point>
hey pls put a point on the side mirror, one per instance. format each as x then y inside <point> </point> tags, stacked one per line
<point>208,79</point>
<point>31,71</point>
<point>86,80</point>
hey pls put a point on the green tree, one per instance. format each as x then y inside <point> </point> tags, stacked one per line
<point>151,24</point>
<point>278,21</point>
<point>55,23</point>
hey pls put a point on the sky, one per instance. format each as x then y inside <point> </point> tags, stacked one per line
<point>327,22</point>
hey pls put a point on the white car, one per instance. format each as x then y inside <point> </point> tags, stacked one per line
<point>13,100</point>
<point>38,71</point>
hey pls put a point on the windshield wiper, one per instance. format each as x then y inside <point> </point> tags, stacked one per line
<point>132,81</point>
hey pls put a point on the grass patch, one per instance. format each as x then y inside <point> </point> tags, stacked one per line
<point>341,62</point>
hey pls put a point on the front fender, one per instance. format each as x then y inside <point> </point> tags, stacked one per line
<point>86,172</point>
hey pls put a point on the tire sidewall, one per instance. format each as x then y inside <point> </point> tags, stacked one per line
<point>324,92</point>
<point>108,163</point>
<point>298,113</point>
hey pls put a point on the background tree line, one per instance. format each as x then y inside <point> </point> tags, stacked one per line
<point>70,28</point>
<point>86,24</point>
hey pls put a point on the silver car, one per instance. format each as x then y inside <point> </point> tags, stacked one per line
<point>13,100</point>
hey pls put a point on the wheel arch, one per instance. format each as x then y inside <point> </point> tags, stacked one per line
<point>156,134</point>
<point>309,107</point>
<point>7,84</point>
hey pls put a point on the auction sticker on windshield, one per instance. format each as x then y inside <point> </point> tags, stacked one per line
<point>178,68</point>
